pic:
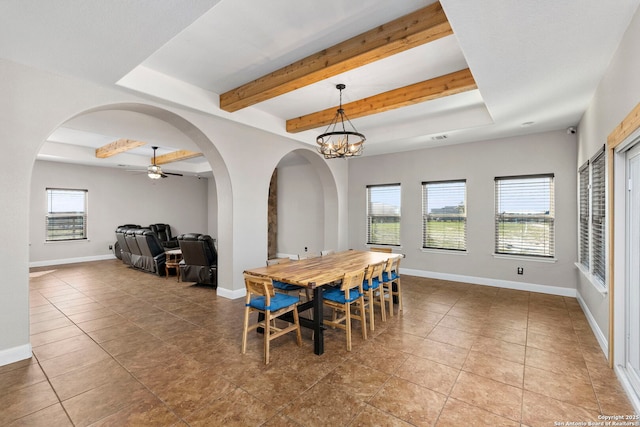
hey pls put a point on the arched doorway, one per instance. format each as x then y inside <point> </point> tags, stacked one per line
<point>303,213</point>
<point>189,203</point>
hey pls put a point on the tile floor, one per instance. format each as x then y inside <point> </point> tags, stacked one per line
<point>113,347</point>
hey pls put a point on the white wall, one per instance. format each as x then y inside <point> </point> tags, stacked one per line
<point>479,163</point>
<point>212,207</point>
<point>617,94</point>
<point>114,197</point>
<point>300,209</point>
<point>35,103</point>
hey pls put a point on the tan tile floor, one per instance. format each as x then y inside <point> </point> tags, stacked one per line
<point>113,346</point>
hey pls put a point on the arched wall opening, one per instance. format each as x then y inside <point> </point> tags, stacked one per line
<point>307,213</point>
<point>188,204</point>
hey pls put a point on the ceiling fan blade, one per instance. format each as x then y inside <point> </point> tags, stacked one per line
<point>170,173</point>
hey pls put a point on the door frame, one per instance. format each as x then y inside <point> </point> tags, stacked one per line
<point>622,138</point>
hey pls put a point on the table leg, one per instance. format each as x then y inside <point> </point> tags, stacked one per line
<point>318,328</point>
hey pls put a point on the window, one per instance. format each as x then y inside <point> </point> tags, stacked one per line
<point>525,215</point>
<point>598,216</point>
<point>444,215</point>
<point>383,214</point>
<point>583,177</point>
<point>66,214</point>
<point>592,207</point>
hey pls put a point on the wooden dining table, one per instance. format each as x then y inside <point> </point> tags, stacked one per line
<point>316,273</point>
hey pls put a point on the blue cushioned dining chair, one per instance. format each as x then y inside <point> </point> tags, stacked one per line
<point>284,287</point>
<point>262,298</point>
<point>391,283</point>
<point>372,286</point>
<point>340,300</point>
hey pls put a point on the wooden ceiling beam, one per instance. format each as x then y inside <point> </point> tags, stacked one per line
<point>417,28</point>
<point>449,84</point>
<point>117,147</point>
<point>176,156</point>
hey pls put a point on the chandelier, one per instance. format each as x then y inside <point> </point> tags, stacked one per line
<point>337,141</point>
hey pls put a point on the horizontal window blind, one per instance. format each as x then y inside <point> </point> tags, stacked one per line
<point>598,206</point>
<point>444,215</point>
<point>584,215</point>
<point>524,223</point>
<point>66,214</point>
<point>383,214</point>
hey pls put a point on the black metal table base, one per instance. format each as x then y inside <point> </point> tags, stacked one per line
<point>315,324</point>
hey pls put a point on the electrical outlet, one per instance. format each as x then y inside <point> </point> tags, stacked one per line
<point>520,270</point>
<point>305,249</point>
<point>110,247</point>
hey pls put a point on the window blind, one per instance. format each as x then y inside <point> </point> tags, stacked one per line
<point>598,205</point>
<point>66,217</point>
<point>584,215</point>
<point>383,214</point>
<point>444,215</point>
<point>524,222</point>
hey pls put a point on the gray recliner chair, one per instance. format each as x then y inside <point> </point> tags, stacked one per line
<point>199,259</point>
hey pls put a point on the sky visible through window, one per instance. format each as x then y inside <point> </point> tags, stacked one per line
<point>445,195</point>
<point>65,201</point>
<point>381,198</point>
<point>512,200</point>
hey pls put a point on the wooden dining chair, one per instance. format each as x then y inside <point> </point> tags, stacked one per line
<point>372,286</point>
<point>262,298</point>
<point>391,284</point>
<point>383,250</point>
<point>340,300</point>
<point>284,287</point>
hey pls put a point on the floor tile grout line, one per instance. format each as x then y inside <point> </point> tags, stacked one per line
<point>116,361</point>
<point>54,391</point>
<point>527,337</point>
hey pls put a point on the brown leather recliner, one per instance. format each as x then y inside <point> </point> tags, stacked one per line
<point>121,249</point>
<point>199,259</point>
<point>163,231</point>
<point>152,257</point>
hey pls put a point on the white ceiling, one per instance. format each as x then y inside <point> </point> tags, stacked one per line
<point>537,62</point>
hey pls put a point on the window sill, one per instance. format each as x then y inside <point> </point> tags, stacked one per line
<point>526,258</point>
<point>602,290</point>
<point>53,242</point>
<point>443,251</point>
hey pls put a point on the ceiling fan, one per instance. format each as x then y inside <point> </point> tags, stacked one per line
<point>155,172</point>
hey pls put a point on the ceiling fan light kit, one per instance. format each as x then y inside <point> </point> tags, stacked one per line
<point>341,142</point>
<point>155,172</point>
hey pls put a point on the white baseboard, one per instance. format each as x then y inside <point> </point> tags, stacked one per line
<point>602,340</point>
<point>531,287</point>
<point>71,260</point>
<point>15,354</point>
<point>231,293</point>
<point>621,372</point>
